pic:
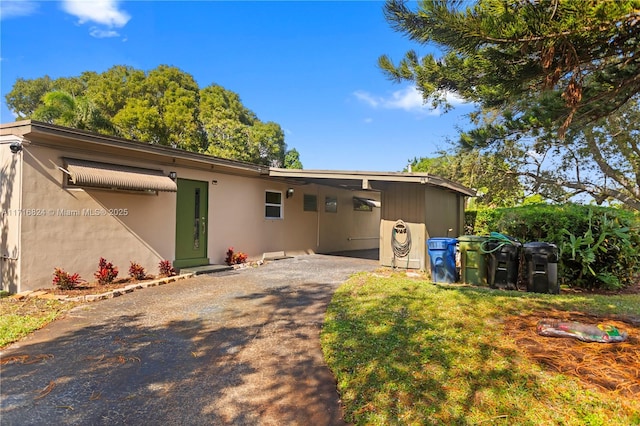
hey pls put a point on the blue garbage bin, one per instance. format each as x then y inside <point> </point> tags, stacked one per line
<point>442,256</point>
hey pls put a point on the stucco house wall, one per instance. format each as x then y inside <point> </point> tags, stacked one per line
<point>72,228</point>
<point>54,224</point>
<point>10,178</point>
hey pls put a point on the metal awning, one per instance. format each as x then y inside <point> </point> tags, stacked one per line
<point>113,176</point>
<point>368,201</point>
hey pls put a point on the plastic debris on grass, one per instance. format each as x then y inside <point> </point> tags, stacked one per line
<point>601,333</point>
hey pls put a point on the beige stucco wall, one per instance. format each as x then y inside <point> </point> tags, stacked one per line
<point>237,219</point>
<point>10,214</point>
<point>73,227</point>
<point>66,232</point>
<point>347,229</point>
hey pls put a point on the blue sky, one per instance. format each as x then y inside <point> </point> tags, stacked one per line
<point>309,66</point>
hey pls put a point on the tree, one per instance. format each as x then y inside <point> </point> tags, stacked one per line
<point>64,109</point>
<point>164,106</point>
<point>112,89</point>
<point>542,73</point>
<point>292,160</point>
<point>26,95</point>
<point>488,174</point>
<point>172,97</point>
<point>602,159</point>
<point>233,131</point>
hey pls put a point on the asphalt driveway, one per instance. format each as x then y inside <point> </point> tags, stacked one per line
<point>237,348</point>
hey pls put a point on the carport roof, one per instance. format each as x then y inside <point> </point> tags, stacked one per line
<point>358,180</point>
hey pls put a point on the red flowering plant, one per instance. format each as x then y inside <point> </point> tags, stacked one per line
<point>65,281</point>
<point>136,271</point>
<point>106,272</point>
<point>165,268</point>
<point>235,258</point>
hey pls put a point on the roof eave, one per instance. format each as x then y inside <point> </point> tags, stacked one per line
<point>367,176</point>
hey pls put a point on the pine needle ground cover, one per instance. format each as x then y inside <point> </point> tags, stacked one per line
<point>405,351</point>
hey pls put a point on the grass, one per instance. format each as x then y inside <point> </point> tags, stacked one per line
<point>408,352</point>
<point>21,317</point>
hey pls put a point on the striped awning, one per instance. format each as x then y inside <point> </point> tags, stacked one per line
<point>113,176</point>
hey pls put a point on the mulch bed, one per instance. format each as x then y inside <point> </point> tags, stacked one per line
<point>89,288</point>
<point>613,367</point>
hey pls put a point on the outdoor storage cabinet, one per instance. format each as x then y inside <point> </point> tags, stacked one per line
<point>541,267</point>
<point>473,267</point>
<point>442,258</point>
<point>502,263</point>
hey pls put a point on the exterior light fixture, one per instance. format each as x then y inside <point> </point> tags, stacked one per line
<point>173,175</point>
<point>289,192</point>
<point>15,147</point>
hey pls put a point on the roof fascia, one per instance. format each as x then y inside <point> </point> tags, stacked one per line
<point>37,132</point>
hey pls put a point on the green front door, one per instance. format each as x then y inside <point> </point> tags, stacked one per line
<point>191,223</point>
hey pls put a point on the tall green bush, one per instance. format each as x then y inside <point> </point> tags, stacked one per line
<point>599,246</point>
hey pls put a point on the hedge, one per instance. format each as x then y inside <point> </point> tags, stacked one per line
<point>599,246</point>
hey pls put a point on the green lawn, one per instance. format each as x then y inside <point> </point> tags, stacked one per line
<point>405,351</point>
<point>21,317</point>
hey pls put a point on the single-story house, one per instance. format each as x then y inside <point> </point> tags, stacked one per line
<point>69,197</point>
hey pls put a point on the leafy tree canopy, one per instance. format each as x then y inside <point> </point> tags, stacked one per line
<point>164,106</point>
<point>546,76</point>
<point>489,175</point>
<point>292,160</point>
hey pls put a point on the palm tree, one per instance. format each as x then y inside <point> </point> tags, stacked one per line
<point>60,107</point>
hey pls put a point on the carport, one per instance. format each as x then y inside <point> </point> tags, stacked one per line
<point>429,205</point>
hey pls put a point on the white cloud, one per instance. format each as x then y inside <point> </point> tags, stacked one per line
<point>368,120</point>
<point>15,8</point>
<point>408,99</point>
<point>98,33</point>
<point>103,12</point>
<point>367,98</point>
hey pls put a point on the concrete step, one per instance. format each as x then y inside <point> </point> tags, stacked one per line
<point>205,269</point>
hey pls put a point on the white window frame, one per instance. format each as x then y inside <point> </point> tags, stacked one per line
<point>279,205</point>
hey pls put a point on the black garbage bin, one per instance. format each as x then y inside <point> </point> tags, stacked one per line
<point>541,267</point>
<point>503,258</point>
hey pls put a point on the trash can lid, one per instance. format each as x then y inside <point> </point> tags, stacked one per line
<point>540,245</point>
<point>444,240</point>
<point>549,249</point>
<point>472,238</point>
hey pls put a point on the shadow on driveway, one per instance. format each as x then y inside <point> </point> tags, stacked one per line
<point>242,348</point>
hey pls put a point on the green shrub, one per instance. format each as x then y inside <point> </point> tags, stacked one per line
<point>599,246</point>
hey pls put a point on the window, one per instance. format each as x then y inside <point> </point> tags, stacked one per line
<point>273,205</point>
<point>310,203</point>
<point>331,204</point>
<point>361,205</point>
